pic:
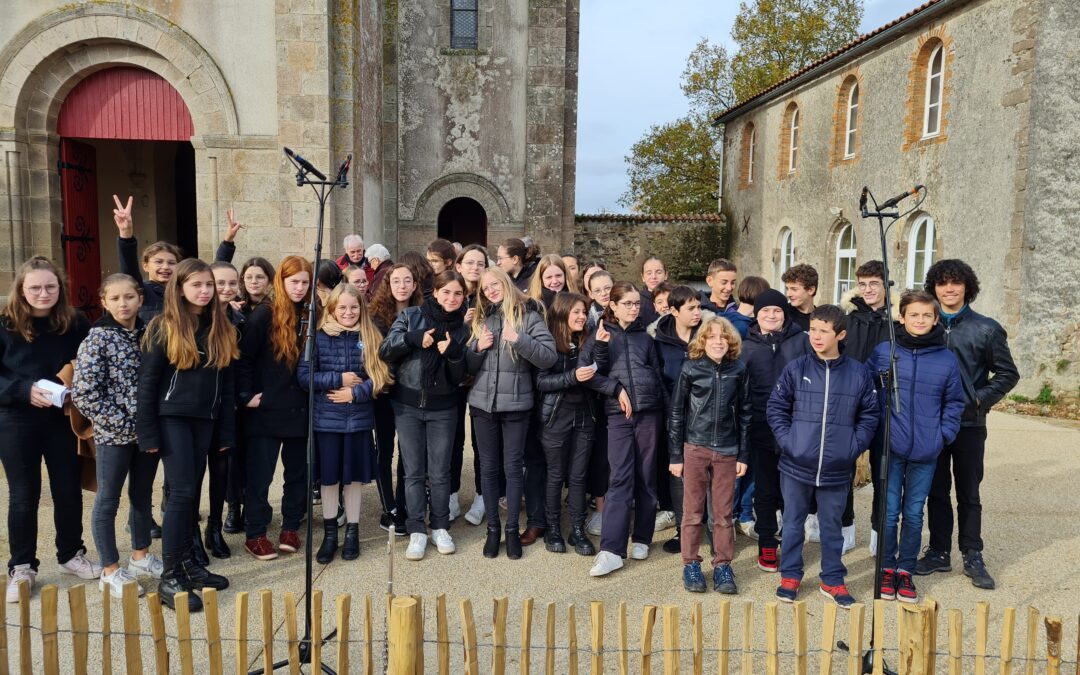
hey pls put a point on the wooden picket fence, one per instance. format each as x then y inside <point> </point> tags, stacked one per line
<point>916,650</point>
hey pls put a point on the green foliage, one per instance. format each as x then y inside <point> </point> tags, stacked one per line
<point>1019,398</point>
<point>706,80</point>
<point>1063,365</point>
<point>1046,396</point>
<point>674,169</point>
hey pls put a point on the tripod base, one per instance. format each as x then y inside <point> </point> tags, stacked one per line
<point>867,660</point>
<point>305,656</point>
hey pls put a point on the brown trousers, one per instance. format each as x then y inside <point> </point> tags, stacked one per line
<point>703,471</point>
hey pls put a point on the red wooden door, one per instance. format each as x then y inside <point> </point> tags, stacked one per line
<point>82,256</point>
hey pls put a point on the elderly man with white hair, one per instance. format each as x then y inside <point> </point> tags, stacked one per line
<point>354,254</point>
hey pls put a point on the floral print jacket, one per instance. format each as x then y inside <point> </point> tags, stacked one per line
<point>106,380</point>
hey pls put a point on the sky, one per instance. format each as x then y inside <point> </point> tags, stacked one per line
<point>632,54</point>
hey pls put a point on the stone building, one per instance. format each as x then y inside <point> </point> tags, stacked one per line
<point>978,100</point>
<point>461,116</point>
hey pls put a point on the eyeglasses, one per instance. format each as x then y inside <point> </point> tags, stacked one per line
<point>869,285</point>
<point>42,290</point>
<point>493,286</point>
<point>629,305</point>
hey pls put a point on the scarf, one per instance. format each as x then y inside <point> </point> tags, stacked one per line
<point>331,327</point>
<point>443,322</point>
<point>935,338</point>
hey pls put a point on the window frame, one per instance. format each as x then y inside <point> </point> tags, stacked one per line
<point>845,254</point>
<point>470,42</point>
<point>851,128</point>
<point>793,141</point>
<point>924,223</point>
<point>937,54</point>
<point>787,254</point>
<point>750,155</point>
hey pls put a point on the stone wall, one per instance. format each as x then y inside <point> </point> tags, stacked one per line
<point>686,244</point>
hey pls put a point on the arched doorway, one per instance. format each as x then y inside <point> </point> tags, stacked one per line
<point>123,131</point>
<point>463,220</point>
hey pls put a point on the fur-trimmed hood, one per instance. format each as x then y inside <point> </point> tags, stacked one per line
<point>852,301</point>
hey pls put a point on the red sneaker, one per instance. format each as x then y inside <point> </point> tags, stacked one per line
<point>261,548</point>
<point>888,584</point>
<point>289,542</point>
<point>905,588</point>
<point>788,590</point>
<point>839,595</point>
<point>766,560</point>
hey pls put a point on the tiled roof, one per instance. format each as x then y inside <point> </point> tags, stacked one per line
<point>651,218</point>
<point>823,61</point>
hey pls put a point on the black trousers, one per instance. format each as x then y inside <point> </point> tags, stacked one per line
<point>217,467</point>
<point>567,441</point>
<point>25,440</point>
<point>457,455</point>
<point>766,458</point>
<point>598,477</point>
<point>501,434</point>
<point>535,477</point>
<point>960,462</point>
<point>262,453</point>
<point>234,490</point>
<point>385,430</point>
<point>185,442</point>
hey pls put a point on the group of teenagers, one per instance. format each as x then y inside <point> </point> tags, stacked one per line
<point>739,407</point>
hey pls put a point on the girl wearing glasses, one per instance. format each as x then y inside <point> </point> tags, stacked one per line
<point>39,335</point>
<point>509,341</point>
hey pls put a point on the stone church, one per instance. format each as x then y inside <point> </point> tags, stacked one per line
<point>461,116</point>
<point>979,101</point>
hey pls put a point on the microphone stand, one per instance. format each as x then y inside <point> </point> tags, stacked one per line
<point>322,188</point>
<point>891,388</point>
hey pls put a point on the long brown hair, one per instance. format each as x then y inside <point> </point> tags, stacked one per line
<point>376,368</point>
<point>283,328</point>
<point>18,313</point>
<point>384,306</point>
<point>177,324</point>
<point>696,348</point>
<point>558,317</point>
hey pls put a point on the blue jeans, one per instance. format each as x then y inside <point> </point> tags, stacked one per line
<point>743,508</point>
<point>909,483</point>
<point>831,501</point>
<point>116,464</point>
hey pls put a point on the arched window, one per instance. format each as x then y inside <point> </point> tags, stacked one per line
<point>852,121</point>
<point>845,260</point>
<point>932,107</point>
<point>749,143</point>
<point>793,154</point>
<point>920,251</point>
<point>750,155</point>
<point>788,142</point>
<point>787,254</point>
<point>463,24</point>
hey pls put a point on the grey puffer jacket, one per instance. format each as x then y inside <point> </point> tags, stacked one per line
<point>504,372</point>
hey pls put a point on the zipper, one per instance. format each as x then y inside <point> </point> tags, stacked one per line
<point>172,385</point>
<point>717,383</point>
<point>911,398</point>
<point>554,410</point>
<point>629,369</point>
<point>497,346</point>
<point>217,386</point>
<point>824,415</point>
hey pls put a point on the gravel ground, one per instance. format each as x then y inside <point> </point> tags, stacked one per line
<point>1031,511</point>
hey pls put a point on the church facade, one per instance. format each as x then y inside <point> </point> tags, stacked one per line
<point>460,114</point>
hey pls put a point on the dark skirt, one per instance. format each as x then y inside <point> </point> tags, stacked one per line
<point>346,458</point>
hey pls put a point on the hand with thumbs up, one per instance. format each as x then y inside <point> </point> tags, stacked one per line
<point>508,333</point>
<point>428,339</point>
<point>443,345</point>
<point>486,339</point>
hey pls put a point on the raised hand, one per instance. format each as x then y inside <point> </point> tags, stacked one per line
<point>122,217</point>
<point>428,339</point>
<point>470,314</point>
<point>486,339</point>
<point>350,379</point>
<point>508,333</point>
<point>234,226</point>
<point>443,345</point>
<point>602,334</point>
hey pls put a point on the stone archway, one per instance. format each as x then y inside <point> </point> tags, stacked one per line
<point>43,63</point>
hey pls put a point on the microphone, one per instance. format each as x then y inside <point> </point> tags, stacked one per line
<point>898,198</point>
<point>343,171</point>
<point>862,199</point>
<point>305,165</point>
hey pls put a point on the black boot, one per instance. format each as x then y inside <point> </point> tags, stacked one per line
<point>553,541</point>
<point>234,520</point>
<point>579,539</point>
<point>513,544</point>
<point>329,542</point>
<point>198,551</point>
<point>215,541</point>
<point>491,546</point>
<point>170,585</point>
<point>351,549</point>
<point>194,576</point>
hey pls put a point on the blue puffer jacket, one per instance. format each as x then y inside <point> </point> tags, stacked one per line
<point>930,412</point>
<point>823,415</point>
<point>334,356</point>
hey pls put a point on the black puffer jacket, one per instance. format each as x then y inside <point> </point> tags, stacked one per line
<point>766,356</point>
<point>710,408</point>
<point>203,393</point>
<point>627,361</point>
<point>402,351</point>
<point>987,370</point>
<point>866,327</point>
<point>127,249</point>
<point>560,390</point>
<point>283,412</point>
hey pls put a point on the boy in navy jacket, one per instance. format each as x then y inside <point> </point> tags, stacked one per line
<point>823,413</point>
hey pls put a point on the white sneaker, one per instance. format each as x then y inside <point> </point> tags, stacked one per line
<point>595,523</point>
<point>849,539</point>
<point>116,582</point>
<point>455,507</point>
<point>417,546</point>
<point>82,567</point>
<point>442,541</point>
<point>664,520</point>
<point>606,563</point>
<point>18,575</point>
<point>812,528</point>
<point>639,551</point>
<point>873,542</point>
<point>475,514</point>
<point>747,528</point>
<point>150,566</point>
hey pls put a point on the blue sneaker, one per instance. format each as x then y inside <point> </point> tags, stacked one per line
<point>692,578</point>
<point>788,589</point>
<point>723,579</point>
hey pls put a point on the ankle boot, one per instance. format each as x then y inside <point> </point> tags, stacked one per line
<point>329,542</point>
<point>234,520</point>
<point>579,539</point>
<point>215,541</point>
<point>194,576</point>
<point>553,540</point>
<point>351,549</point>
<point>491,546</point>
<point>513,544</point>
<point>170,585</point>
<point>198,551</point>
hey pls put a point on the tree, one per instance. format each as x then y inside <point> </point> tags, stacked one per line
<point>674,168</point>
